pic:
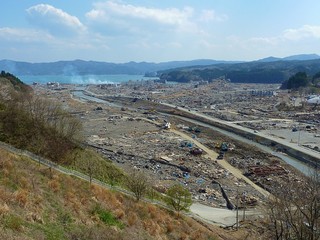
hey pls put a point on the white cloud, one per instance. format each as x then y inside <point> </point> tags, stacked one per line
<point>290,41</point>
<point>303,39</point>
<point>24,35</point>
<point>211,15</point>
<point>120,17</point>
<point>54,20</point>
<point>306,31</point>
<point>108,9</point>
<point>290,35</point>
<point>264,40</point>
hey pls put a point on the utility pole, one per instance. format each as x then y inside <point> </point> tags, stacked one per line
<point>237,212</point>
<point>299,134</point>
<point>244,213</point>
<point>244,206</point>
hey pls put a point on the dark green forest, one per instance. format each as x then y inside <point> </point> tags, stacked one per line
<point>301,80</point>
<point>251,72</point>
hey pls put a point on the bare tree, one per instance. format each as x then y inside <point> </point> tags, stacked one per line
<point>113,175</point>
<point>294,211</point>
<point>138,183</point>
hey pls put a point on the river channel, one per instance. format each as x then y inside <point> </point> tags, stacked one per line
<point>305,169</point>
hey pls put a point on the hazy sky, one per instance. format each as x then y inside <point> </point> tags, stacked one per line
<point>162,30</point>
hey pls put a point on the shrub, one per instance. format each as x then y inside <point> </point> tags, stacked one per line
<point>107,217</point>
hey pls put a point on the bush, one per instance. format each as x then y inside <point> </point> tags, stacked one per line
<point>107,217</point>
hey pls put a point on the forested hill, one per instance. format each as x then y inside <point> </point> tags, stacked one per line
<point>249,72</point>
<point>10,82</point>
<point>80,67</point>
<point>267,70</point>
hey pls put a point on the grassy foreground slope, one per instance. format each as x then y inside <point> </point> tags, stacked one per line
<point>38,204</point>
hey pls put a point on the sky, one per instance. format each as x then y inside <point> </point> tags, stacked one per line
<point>157,31</point>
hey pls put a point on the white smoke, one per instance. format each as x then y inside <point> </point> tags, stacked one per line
<point>78,79</point>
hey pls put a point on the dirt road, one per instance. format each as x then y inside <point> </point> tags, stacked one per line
<point>223,163</point>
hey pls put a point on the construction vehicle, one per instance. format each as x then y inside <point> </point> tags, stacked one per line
<point>224,146</point>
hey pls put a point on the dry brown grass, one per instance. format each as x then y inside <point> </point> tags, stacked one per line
<point>152,227</point>
<point>6,160</point>
<point>98,192</point>
<point>24,182</point>
<point>113,202</point>
<point>37,200</point>
<point>58,193</point>
<point>196,235</point>
<point>5,195</point>
<point>120,197</point>
<point>72,201</point>
<point>54,184</point>
<point>70,196</point>
<point>170,227</point>
<point>4,209</point>
<point>21,196</point>
<point>153,211</point>
<point>132,218</point>
<point>34,217</point>
<point>5,172</point>
<point>183,236</point>
<point>6,165</point>
<point>119,213</point>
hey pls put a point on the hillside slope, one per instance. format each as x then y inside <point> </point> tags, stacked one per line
<point>36,203</point>
<point>10,83</point>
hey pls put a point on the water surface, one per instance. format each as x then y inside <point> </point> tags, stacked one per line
<point>82,79</point>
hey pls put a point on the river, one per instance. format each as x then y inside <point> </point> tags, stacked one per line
<point>305,169</point>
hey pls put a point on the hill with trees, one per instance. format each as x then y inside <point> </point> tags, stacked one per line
<point>10,83</point>
<point>249,72</point>
<point>80,67</point>
<point>205,66</point>
<point>33,123</point>
<point>302,80</point>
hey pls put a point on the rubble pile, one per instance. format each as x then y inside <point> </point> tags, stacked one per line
<point>143,144</point>
<point>139,137</point>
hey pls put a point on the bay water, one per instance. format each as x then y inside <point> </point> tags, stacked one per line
<point>82,79</point>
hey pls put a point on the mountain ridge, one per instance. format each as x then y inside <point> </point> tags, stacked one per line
<point>274,72</point>
<point>83,67</point>
<point>299,57</point>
